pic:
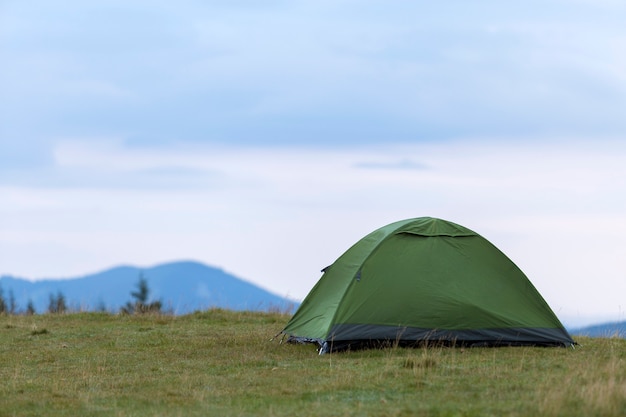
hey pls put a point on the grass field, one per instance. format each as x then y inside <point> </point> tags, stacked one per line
<point>220,363</point>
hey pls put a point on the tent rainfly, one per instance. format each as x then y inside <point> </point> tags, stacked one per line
<point>424,280</point>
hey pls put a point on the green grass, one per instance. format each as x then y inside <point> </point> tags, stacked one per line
<point>224,364</point>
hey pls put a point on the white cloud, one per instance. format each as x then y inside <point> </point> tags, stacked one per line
<point>410,70</point>
<point>277,216</point>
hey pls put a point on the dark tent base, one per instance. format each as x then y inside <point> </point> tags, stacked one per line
<point>350,337</point>
<point>327,347</point>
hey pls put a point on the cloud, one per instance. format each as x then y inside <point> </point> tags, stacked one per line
<point>397,164</point>
<point>277,215</point>
<point>298,72</point>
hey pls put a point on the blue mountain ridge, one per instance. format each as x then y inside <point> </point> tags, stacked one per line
<point>183,287</point>
<point>613,329</point>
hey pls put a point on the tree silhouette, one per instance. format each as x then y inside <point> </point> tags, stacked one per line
<point>56,303</point>
<point>3,303</point>
<point>7,306</point>
<point>12,306</point>
<point>141,295</point>
<point>30,308</point>
<point>140,305</point>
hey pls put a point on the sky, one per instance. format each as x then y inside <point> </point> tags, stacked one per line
<point>266,137</point>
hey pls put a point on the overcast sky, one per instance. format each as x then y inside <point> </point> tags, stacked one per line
<point>266,137</point>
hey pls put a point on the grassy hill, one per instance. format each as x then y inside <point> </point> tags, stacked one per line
<point>223,363</point>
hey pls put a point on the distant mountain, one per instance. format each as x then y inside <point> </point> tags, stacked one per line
<point>615,329</point>
<point>182,287</point>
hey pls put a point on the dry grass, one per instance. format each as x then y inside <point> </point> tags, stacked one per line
<point>598,387</point>
<point>222,363</point>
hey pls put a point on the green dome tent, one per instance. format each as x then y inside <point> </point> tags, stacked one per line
<point>424,280</point>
